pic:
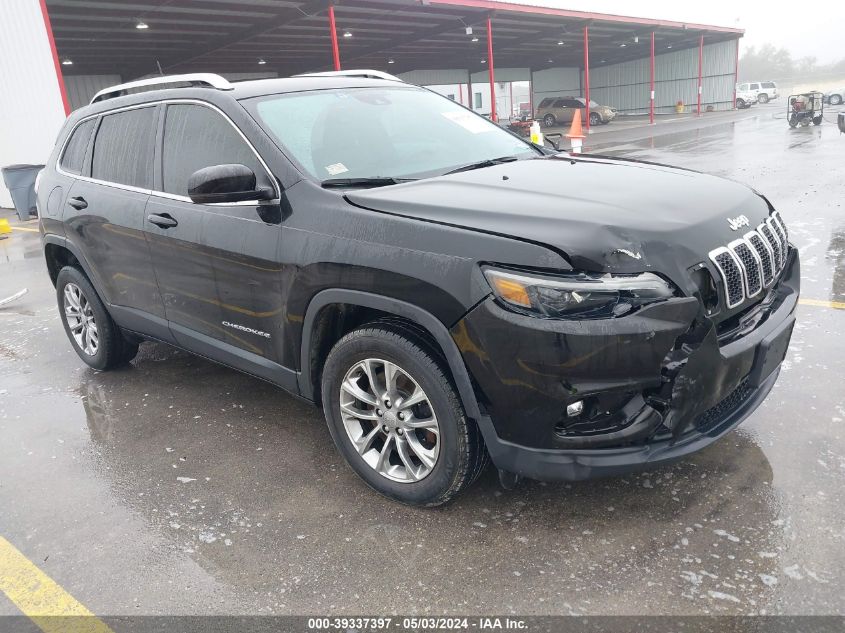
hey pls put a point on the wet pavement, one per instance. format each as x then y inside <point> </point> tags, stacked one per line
<point>178,486</point>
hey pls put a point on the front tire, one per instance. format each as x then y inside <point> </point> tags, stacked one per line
<point>740,104</point>
<point>93,334</point>
<point>396,418</point>
<point>595,118</point>
<point>835,100</point>
<point>549,120</point>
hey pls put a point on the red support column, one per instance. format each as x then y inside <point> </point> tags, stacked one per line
<point>587,75</point>
<point>736,73</point>
<point>333,29</point>
<point>59,77</point>
<point>700,64</point>
<point>651,94</point>
<point>491,71</point>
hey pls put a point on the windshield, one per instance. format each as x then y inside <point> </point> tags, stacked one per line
<point>401,132</point>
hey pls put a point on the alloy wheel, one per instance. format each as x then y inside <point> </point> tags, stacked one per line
<point>80,319</point>
<point>389,420</point>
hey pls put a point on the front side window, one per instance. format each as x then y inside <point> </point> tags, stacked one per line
<point>123,148</point>
<point>401,132</point>
<point>196,137</point>
<point>743,86</point>
<point>74,153</point>
<point>755,86</point>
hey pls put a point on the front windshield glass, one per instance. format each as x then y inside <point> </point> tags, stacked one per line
<point>401,132</point>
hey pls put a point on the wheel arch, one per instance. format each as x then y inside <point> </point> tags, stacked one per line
<point>59,252</point>
<point>392,307</point>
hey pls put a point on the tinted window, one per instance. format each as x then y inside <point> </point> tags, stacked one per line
<point>197,137</point>
<point>573,103</point>
<point>123,149</point>
<point>545,103</point>
<point>75,149</point>
<point>768,84</point>
<point>755,86</point>
<point>560,103</point>
<point>743,86</point>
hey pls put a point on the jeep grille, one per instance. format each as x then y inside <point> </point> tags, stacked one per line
<point>753,262</point>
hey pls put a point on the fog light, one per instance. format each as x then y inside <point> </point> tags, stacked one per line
<point>575,409</point>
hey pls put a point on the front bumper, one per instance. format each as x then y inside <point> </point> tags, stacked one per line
<point>677,386</point>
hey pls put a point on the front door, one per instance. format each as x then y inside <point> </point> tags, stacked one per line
<point>216,264</point>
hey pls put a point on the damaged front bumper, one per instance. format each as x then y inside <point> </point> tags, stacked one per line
<point>655,386</point>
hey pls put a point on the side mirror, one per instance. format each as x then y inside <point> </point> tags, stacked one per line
<point>225,183</point>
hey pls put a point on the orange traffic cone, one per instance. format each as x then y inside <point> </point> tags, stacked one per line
<point>576,134</point>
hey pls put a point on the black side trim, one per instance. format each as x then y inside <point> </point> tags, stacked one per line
<point>142,323</point>
<point>234,357</point>
<point>399,308</point>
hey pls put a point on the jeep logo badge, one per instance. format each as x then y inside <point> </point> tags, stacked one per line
<point>738,222</point>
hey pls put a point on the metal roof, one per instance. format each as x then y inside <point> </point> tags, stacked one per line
<point>291,36</point>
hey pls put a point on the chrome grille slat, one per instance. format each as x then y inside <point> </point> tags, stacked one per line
<point>748,265</point>
<point>766,255</point>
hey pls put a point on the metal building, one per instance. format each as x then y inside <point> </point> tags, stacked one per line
<point>476,47</point>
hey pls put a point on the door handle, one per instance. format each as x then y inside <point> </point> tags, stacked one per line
<point>163,220</point>
<point>78,203</point>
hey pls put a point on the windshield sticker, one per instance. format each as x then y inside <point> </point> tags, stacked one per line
<point>468,121</point>
<point>337,168</point>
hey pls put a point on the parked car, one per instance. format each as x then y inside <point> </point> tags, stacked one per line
<point>745,98</point>
<point>765,91</point>
<point>448,298</point>
<point>560,110</point>
<point>835,97</point>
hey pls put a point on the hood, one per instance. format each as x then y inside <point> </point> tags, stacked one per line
<point>602,214</point>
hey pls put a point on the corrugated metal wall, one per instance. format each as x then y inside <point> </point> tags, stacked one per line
<point>625,86</point>
<point>82,88</point>
<point>31,110</point>
<point>556,82</point>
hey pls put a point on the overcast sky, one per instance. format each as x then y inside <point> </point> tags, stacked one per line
<point>805,28</point>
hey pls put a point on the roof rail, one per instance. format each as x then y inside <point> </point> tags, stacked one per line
<point>209,80</point>
<point>361,73</point>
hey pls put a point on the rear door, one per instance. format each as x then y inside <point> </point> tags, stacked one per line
<point>104,216</point>
<point>216,264</point>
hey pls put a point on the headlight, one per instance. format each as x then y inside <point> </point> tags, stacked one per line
<point>577,295</point>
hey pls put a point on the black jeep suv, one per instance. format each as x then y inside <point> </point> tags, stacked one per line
<point>445,290</point>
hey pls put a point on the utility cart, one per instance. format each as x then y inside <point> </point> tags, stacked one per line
<point>805,108</point>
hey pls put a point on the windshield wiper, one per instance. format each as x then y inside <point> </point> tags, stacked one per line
<point>489,162</point>
<point>377,181</point>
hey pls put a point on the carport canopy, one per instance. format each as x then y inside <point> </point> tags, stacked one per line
<point>227,36</point>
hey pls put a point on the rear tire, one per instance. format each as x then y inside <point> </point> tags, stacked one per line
<point>740,104</point>
<point>549,120</point>
<point>93,334</point>
<point>595,118</point>
<point>835,99</point>
<point>762,98</point>
<point>817,120</point>
<point>793,120</point>
<point>440,458</point>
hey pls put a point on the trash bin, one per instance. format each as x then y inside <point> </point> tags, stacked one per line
<point>20,181</point>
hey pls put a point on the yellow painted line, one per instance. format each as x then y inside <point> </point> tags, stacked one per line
<point>23,228</point>
<point>836,305</point>
<point>41,599</point>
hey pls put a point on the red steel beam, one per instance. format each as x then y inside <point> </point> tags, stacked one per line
<point>700,65</point>
<point>587,75</point>
<point>59,77</point>
<point>651,94</point>
<point>491,70</point>
<point>333,29</point>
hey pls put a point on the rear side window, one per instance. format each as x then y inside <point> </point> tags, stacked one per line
<point>123,148</point>
<point>197,137</point>
<point>74,153</point>
<point>768,84</point>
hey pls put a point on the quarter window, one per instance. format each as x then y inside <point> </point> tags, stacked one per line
<point>123,148</point>
<point>74,153</point>
<point>196,137</point>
